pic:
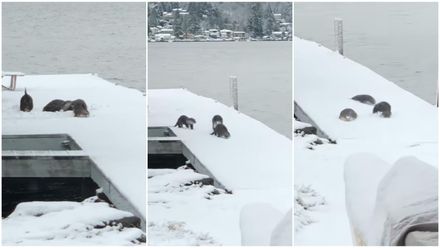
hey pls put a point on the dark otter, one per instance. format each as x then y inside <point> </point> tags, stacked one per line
<point>26,102</point>
<point>79,108</point>
<point>383,108</point>
<point>56,105</point>
<point>367,99</point>
<point>348,114</point>
<point>185,121</point>
<point>220,130</point>
<point>217,119</point>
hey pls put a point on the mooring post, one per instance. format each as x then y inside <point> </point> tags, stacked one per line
<point>233,88</point>
<point>339,35</point>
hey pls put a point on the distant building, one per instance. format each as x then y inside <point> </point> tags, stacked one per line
<point>278,16</point>
<point>226,34</point>
<point>277,35</point>
<point>167,16</point>
<point>214,33</point>
<point>154,30</point>
<point>239,35</point>
<point>163,37</point>
<point>166,31</point>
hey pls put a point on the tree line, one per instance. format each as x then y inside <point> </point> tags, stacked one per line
<point>257,19</point>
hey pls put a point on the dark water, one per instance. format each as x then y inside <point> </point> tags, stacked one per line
<point>25,189</point>
<point>63,38</point>
<point>396,40</point>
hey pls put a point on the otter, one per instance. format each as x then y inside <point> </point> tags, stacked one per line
<point>217,119</point>
<point>348,114</point>
<point>57,105</point>
<point>67,106</point>
<point>367,99</point>
<point>26,102</point>
<point>383,108</point>
<point>220,130</point>
<point>79,108</point>
<point>185,121</point>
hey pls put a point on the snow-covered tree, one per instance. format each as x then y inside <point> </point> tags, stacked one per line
<point>255,21</point>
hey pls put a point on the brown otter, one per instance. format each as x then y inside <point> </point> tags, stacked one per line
<point>383,108</point>
<point>26,102</point>
<point>348,114</point>
<point>217,119</point>
<point>367,99</point>
<point>57,105</point>
<point>79,108</point>
<point>185,121</point>
<point>220,130</point>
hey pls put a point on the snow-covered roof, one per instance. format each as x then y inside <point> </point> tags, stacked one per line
<point>254,157</point>
<point>113,135</point>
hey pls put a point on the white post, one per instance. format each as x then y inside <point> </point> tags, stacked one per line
<point>339,36</point>
<point>233,88</point>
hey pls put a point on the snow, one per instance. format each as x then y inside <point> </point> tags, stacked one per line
<point>113,135</point>
<point>301,125</point>
<point>257,222</point>
<point>67,223</point>
<point>362,175</point>
<point>254,163</point>
<point>324,83</point>
<point>253,149</point>
<point>282,234</point>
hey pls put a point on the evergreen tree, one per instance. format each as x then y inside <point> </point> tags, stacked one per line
<point>269,21</point>
<point>194,25</point>
<point>215,18</point>
<point>177,24</point>
<point>153,17</point>
<point>255,21</point>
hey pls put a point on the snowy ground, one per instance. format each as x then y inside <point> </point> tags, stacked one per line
<point>117,118</point>
<point>322,93</point>
<point>68,223</point>
<point>254,163</point>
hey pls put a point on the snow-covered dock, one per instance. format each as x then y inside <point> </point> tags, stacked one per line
<point>113,136</point>
<point>325,82</point>
<point>255,163</point>
<point>255,157</point>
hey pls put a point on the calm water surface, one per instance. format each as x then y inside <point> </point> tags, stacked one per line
<point>63,38</point>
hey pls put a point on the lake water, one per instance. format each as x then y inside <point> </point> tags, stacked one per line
<point>63,38</point>
<point>396,40</point>
<point>263,69</point>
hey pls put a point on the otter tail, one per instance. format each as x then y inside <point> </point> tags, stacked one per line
<point>25,92</point>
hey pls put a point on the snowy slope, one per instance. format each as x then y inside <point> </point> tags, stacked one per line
<point>324,83</point>
<point>113,135</point>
